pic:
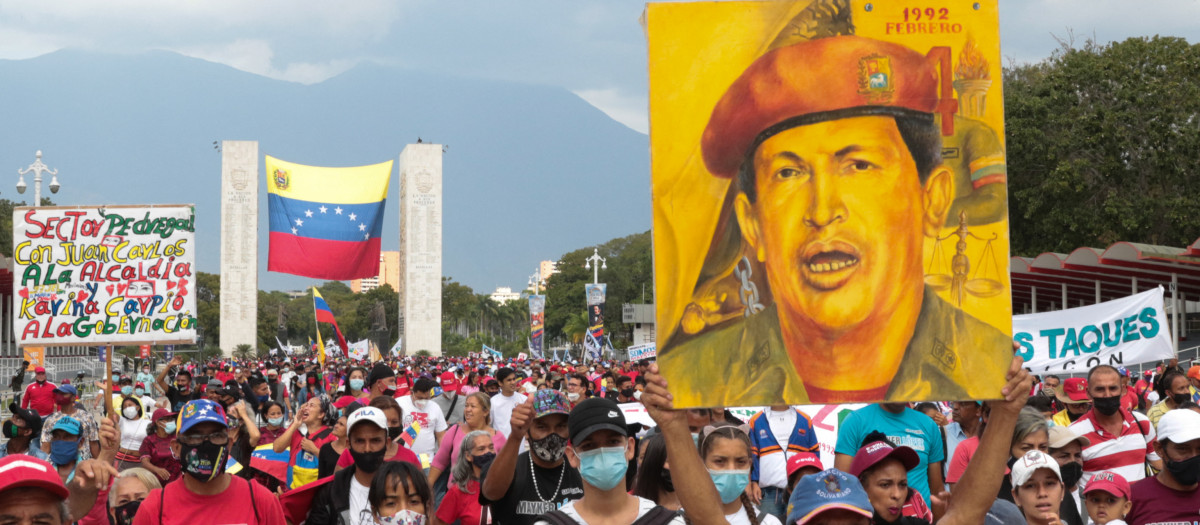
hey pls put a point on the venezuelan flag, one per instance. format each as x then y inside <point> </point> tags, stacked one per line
<point>325,223</point>
<point>410,434</point>
<point>325,315</point>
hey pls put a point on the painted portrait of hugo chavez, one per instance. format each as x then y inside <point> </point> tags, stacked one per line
<point>824,279</point>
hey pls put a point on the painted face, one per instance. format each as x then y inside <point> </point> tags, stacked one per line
<point>839,223</point>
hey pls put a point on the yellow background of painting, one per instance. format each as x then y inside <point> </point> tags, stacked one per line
<point>696,50</point>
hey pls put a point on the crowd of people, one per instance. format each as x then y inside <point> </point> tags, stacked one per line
<point>474,441</point>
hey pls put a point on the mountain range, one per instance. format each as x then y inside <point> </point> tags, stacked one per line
<point>530,171</point>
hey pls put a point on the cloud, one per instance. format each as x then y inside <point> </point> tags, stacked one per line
<point>257,56</point>
<point>630,110</point>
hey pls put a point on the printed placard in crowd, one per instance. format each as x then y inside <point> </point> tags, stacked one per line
<point>639,352</point>
<point>829,201</point>
<point>107,274</point>
<point>1122,332</point>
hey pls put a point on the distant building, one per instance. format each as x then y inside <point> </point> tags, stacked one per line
<point>504,294</point>
<point>389,273</point>
<point>546,269</point>
<point>296,294</point>
<point>641,318</point>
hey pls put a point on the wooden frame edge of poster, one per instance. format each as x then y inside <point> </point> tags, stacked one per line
<point>98,206</point>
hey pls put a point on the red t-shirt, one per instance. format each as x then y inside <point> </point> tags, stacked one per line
<point>233,505</point>
<point>40,397</point>
<point>962,456</point>
<point>402,454</point>
<point>159,451</point>
<point>463,508</point>
<point>1157,504</point>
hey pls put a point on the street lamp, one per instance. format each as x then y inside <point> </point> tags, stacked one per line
<point>595,262</point>
<point>38,169</point>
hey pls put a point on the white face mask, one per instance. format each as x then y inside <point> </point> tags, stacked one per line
<point>404,517</point>
<point>420,403</point>
<point>130,412</point>
<point>572,396</point>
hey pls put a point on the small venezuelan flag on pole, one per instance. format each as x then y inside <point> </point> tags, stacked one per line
<point>410,433</point>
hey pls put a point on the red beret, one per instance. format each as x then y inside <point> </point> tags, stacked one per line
<point>819,80</point>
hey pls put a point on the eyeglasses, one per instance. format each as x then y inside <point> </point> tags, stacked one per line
<point>217,438</point>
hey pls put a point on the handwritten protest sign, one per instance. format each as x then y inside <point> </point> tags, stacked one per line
<point>116,274</point>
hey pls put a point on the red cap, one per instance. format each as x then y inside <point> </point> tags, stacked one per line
<point>39,370</point>
<point>140,385</point>
<point>878,451</point>
<point>344,401</point>
<point>1074,390</point>
<point>448,381</point>
<point>161,413</point>
<point>1194,372</point>
<point>820,80</point>
<point>1109,482</point>
<point>801,460</point>
<point>19,470</point>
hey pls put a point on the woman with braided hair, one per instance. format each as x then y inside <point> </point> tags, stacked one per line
<point>725,450</point>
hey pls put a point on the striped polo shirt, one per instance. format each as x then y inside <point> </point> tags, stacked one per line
<point>1124,454</point>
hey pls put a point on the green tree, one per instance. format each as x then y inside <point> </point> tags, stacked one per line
<point>1101,145</point>
<point>244,351</point>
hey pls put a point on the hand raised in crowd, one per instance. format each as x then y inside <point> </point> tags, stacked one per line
<point>1016,391</point>
<point>94,474</point>
<point>175,361</point>
<point>110,438</point>
<point>522,417</point>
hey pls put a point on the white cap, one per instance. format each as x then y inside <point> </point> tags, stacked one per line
<point>1179,426</point>
<point>1033,460</point>
<point>366,415</point>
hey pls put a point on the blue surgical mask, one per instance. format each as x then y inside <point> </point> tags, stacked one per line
<point>603,467</point>
<point>64,452</point>
<point>139,391</point>
<point>126,390</point>
<point>356,384</point>
<point>169,427</point>
<point>730,483</point>
<point>263,399</point>
<point>275,421</point>
<point>116,377</point>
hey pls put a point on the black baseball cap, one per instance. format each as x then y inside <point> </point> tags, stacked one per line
<point>32,419</point>
<point>378,372</point>
<point>592,414</point>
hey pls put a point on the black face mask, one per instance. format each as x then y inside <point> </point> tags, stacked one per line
<point>483,460</point>
<point>1107,405</point>
<point>666,482</point>
<point>628,392</point>
<point>1073,416</point>
<point>368,461</point>
<point>126,512</point>
<point>203,462</point>
<point>391,392</point>
<point>1180,399</point>
<point>1071,473</point>
<point>1186,472</point>
<point>394,432</point>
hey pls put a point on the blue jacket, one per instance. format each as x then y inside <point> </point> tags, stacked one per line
<point>802,438</point>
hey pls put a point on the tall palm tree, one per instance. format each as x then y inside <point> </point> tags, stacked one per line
<point>575,327</point>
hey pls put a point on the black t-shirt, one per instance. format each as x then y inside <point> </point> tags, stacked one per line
<point>327,459</point>
<point>179,399</point>
<point>523,504</point>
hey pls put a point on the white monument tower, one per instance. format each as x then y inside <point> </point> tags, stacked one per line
<point>239,244</point>
<point>421,248</point>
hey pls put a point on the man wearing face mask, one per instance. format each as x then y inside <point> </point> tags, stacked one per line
<point>181,392</point>
<point>207,494</point>
<point>1120,440</point>
<point>343,501</point>
<point>448,401</point>
<point>1172,495</point>
<point>148,402</point>
<point>600,448</point>
<point>625,389</point>
<point>418,408</point>
<point>520,486</point>
<point>381,382</point>
<point>22,431</point>
<point>576,392</point>
<point>1067,449</point>
<point>145,377</point>
<point>64,400</point>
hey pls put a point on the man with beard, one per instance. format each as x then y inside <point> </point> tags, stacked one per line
<point>520,486</point>
<point>344,499</point>
<point>1120,440</point>
<point>207,493</point>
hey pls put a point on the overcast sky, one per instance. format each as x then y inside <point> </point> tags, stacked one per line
<point>596,49</point>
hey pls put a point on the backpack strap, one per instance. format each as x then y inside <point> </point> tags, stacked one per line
<point>253,504</point>
<point>659,515</point>
<point>558,517</point>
